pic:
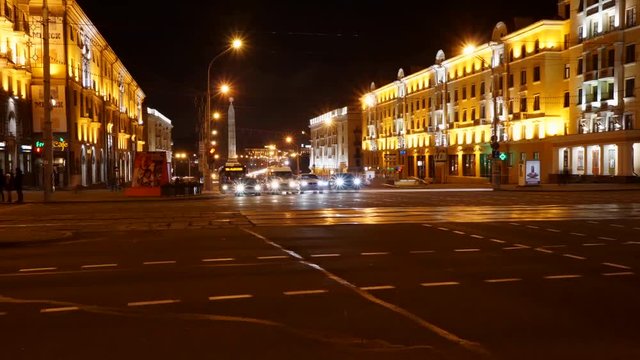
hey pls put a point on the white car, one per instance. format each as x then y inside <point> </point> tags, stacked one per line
<point>278,185</point>
<point>311,182</point>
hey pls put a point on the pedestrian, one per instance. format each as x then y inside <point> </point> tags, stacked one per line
<point>2,184</point>
<point>17,184</point>
<point>8,185</point>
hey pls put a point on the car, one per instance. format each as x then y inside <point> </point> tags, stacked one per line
<point>280,185</point>
<point>311,182</point>
<point>247,186</point>
<point>345,181</point>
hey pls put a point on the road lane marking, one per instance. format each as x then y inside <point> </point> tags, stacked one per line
<point>632,243</point>
<point>272,257</point>
<point>421,252</point>
<point>380,287</point>
<point>522,246</point>
<point>514,248</point>
<point>503,280</point>
<point>38,269</point>
<point>459,232</point>
<point>497,241</point>
<point>2,313</point>
<point>606,238</point>
<point>616,225</point>
<point>514,224</point>
<point>427,225</point>
<point>553,246</point>
<point>553,230</point>
<point>593,244</point>
<point>572,276</point>
<point>574,256</point>
<point>442,283</point>
<point>230,297</point>
<point>616,266</point>
<point>533,227</point>
<point>98,266</point>
<point>443,229</point>
<point>59,309</point>
<point>153,302</point>
<point>593,222</point>
<point>161,262</point>
<point>374,253</point>
<point>577,234</point>
<point>636,228</point>
<point>543,250</point>
<point>477,236</point>
<point>466,250</point>
<point>324,255</point>
<point>622,273</point>
<point>305,292</point>
<point>217,259</point>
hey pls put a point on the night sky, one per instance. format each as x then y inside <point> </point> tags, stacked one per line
<point>302,58</point>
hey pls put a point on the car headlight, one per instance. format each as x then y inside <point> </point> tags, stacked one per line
<point>240,188</point>
<point>304,183</point>
<point>292,184</point>
<point>357,181</point>
<point>258,187</point>
<point>225,187</point>
<point>323,183</point>
<point>340,181</point>
<point>275,184</point>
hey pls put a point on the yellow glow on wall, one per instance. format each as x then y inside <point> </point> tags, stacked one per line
<point>553,127</point>
<point>460,137</point>
<point>478,138</point>
<point>517,131</point>
<point>541,132</point>
<point>452,138</point>
<point>529,130</point>
<point>487,136</point>
<point>469,137</point>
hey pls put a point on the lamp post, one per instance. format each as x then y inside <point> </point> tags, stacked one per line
<point>289,140</point>
<point>235,44</point>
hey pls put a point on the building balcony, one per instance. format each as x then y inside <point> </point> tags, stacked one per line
<point>606,73</point>
<point>591,76</point>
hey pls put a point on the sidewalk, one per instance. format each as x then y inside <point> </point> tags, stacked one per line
<point>102,195</point>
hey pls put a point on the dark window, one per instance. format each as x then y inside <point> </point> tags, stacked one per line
<point>473,114</point>
<point>464,115</point>
<point>594,62</point>
<point>567,99</point>
<point>523,104</point>
<point>537,46</point>
<point>455,95</point>
<point>536,102</point>
<point>536,155</point>
<point>469,164</point>
<point>611,58</point>
<point>579,68</point>
<point>483,112</point>
<point>579,96</point>
<point>429,102</point>
<point>453,164</point>
<point>482,88</point>
<point>631,16</point>
<point>423,103</point>
<point>523,51</point>
<point>536,73</point>
<point>566,39</point>
<point>510,106</point>
<point>511,55</point>
<point>473,90</point>
<point>75,98</point>
<point>523,77</point>
<point>510,81</point>
<point>464,93</point>
<point>567,71</point>
<point>629,87</point>
<point>630,55</point>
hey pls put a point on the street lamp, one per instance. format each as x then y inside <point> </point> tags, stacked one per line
<point>235,44</point>
<point>289,140</point>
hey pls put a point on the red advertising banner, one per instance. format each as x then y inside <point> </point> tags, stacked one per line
<point>150,171</point>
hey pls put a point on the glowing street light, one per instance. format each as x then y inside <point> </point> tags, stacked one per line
<point>216,115</point>
<point>468,49</point>
<point>224,88</point>
<point>236,43</point>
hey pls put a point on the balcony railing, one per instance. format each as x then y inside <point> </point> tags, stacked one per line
<point>606,72</point>
<point>591,75</point>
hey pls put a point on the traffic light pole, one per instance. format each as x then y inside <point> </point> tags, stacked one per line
<point>47,131</point>
<point>496,166</point>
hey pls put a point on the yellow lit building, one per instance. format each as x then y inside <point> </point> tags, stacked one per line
<point>557,91</point>
<point>97,114</point>
<point>334,142</point>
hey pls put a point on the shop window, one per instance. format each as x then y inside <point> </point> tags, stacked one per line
<point>453,164</point>
<point>536,155</point>
<point>469,164</point>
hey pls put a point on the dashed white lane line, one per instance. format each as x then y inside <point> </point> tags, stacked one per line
<point>497,241</point>
<point>616,266</point>
<point>374,253</point>
<point>593,222</point>
<point>2,313</point>
<point>553,230</point>
<point>459,232</point>
<point>553,246</point>
<point>631,243</point>
<point>153,302</point>
<point>218,259</point>
<point>98,266</point>
<point>38,269</point>
<point>514,224</point>
<point>514,248</point>
<point>533,227</point>
<point>379,287</point>
<point>443,229</point>
<point>466,250</point>
<point>230,297</point>
<point>570,276</point>
<point>544,250</point>
<point>59,309</point>
<point>427,225</point>
<point>503,280</point>
<point>442,283</point>
<point>522,246</point>
<point>477,236</point>
<point>622,273</point>
<point>636,228</point>
<point>574,256</point>
<point>577,234</point>
<point>305,292</point>
<point>421,252</point>
<point>606,238</point>
<point>593,244</point>
<point>616,225</point>
<point>324,255</point>
<point>272,257</point>
<point>160,262</point>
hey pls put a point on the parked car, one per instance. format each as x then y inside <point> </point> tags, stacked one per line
<point>311,182</point>
<point>247,186</point>
<point>346,181</point>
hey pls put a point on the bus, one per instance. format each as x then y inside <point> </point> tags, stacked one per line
<point>228,175</point>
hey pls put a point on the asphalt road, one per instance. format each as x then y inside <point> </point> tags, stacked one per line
<point>368,275</point>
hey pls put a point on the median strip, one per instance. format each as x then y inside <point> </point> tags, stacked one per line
<point>606,238</point>
<point>497,241</point>
<point>443,229</point>
<point>230,297</point>
<point>466,250</point>
<point>153,302</point>
<point>477,236</point>
<point>459,232</point>
<point>544,250</point>
<point>577,234</point>
<point>593,244</point>
<point>59,309</point>
<point>553,230</point>
<point>421,252</point>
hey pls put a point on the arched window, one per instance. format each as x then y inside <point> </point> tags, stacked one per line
<point>537,46</point>
<point>523,51</point>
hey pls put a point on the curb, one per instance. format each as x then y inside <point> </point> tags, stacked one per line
<point>192,198</point>
<point>35,240</point>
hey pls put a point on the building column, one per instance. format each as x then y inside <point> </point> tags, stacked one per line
<point>625,159</point>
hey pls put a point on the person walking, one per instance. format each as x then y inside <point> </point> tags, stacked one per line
<point>2,184</point>
<point>8,185</point>
<point>17,184</point>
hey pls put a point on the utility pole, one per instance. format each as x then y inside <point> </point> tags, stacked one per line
<point>47,131</point>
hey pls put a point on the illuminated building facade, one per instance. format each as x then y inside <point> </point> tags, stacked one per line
<point>558,91</point>
<point>158,132</point>
<point>335,141</point>
<point>97,115</point>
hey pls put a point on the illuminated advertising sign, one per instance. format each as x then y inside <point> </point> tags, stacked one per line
<point>532,175</point>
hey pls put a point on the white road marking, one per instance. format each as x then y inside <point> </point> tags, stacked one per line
<point>217,259</point>
<point>606,238</point>
<point>616,225</point>
<point>553,246</point>
<point>459,232</point>
<point>230,297</point>
<point>443,283</point>
<point>498,241</point>
<point>427,225</point>
<point>162,262</point>
<point>573,276</point>
<point>466,250</point>
<point>553,230</point>
<point>574,256</point>
<point>578,234</point>
<point>443,229</point>
<point>502,280</point>
<point>515,224</point>
<point>632,243</point>
<point>2,313</point>
<point>623,273</point>
<point>59,309</point>
<point>272,257</point>
<point>477,236</point>
<point>304,292</point>
<point>593,222</point>
<point>636,228</point>
<point>153,302</point>
<point>421,252</point>
<point>98,266</point>
<point>324,255</point>
<point>617,266</point>
<point>522,246</point>
<point>544,250</point>
<point>374,253</point>
<point>380,287</point>
<point>533,227</point>
<point>38,269</point>
<point>593,244</point>
<point>514,248</point>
